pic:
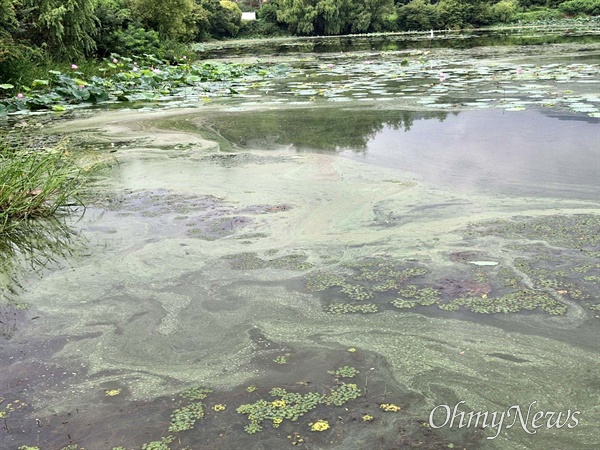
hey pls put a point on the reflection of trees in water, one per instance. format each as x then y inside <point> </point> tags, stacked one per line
<point>30,248</point>
<point>320,129</point>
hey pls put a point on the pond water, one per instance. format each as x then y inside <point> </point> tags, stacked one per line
<point>369,238</point>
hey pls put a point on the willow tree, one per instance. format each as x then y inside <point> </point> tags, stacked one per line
<point>173,19</point>
<point>331,17</point>
<point>66,27</point>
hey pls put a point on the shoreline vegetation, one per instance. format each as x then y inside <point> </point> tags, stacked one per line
<point>43,35</point>
<point>36,183</point>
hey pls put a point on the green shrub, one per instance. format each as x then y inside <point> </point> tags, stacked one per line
<point>173,19</point>
<point>418,15</point>
<point>575,7</point>
<point>538,14</point>
<point>504,11</point>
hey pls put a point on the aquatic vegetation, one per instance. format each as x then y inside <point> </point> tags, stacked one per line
<point>321,281</point>
<point>148,79</point>
<point>389,407</point>
<point>513,302</point>
<point>342,394</point>
<point>356,292</point>
<point>280,359</point>
<point>10,407</point>
<point>291,406</point>
<point>163,444</point>
<point>251,388</point>
<point>195,393</point>
<point>319,425</point>
<point>112,392</point>
<point>36,183</point>
<point>425,296</point>
<point>219,407</point>
<point>344,372</point>
<point>367,418</point>
<point>296,438</point>
<point>185,417</point>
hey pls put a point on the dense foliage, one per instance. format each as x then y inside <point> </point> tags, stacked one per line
<point>35,35</point>
<point>327,17</point>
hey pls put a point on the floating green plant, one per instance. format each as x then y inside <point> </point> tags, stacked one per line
<point>163,444</point>
<point>195,393</point>
<point>185,417</point>
<point>344,372</point>
<point>280,359</point>
<point>291,406</point>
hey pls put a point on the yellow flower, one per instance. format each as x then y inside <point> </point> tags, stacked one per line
<point>112,392</point>
<point>319,425</point>
<point>219,407</point>
<point>367,418</point>
<point>389,407</point>
<point>351,349</point>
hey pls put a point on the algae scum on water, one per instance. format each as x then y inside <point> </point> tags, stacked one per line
<point>320,260</point>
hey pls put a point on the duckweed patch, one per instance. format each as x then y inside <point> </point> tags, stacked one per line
<point>163,444</point>
<point>291,405</point>
<point>185,417</point>
<point>344,372</point>
<point>558,255</point>
<point>196,393</point>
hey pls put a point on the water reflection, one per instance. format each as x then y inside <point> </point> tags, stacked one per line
<point>30,248</point>
<point>330,129</point>
<point>399,42</point>
<point>530,152</point>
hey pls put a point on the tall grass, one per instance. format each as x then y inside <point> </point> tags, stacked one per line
<point>35,183</point>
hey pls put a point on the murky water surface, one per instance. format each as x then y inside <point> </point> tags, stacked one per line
<point>303,257</point>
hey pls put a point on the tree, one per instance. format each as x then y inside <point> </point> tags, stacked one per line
<point>173,19</point>
<point>331,17</point>
<point>65,27</point>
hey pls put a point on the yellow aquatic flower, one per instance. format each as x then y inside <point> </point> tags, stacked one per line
<point>319,425</point>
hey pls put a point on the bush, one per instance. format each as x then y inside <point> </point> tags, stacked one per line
<point>575,7</point>
<point>538,14</point>
<point>173,19</point>
<point>504,11</point>
<point>260,28</point>
<point>418,15</point>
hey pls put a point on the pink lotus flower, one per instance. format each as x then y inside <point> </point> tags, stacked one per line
<point>135,69</point>
<point>330,66</point>
<point>74,66</point>
<point>19,95</point>
<point>135,63</point>
<point>184,57</point>
<point>442,77</point>
<point>81,86</point>
<point>115,60</point>
<point>519,71</point>
<point>155,70</point>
